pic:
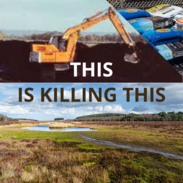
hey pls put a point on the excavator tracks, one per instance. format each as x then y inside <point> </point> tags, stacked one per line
<point>143,4</point>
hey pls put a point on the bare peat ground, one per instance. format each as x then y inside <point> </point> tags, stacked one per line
<point>15,66</point>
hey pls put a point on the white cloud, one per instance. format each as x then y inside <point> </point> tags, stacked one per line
<point>114,109</point>
<point>99,108</point>
<point>89,108</point>
<point>144,112</point>
<point>10,105</point>
<point>107,109</point>
<point>14,110</point>
<point>9,89</point>
<point>173,95</point>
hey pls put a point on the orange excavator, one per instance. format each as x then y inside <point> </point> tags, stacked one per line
<point>61,48</point>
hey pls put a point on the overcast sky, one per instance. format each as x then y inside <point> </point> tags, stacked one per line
<point>10,106</point>
<point>51,15</point>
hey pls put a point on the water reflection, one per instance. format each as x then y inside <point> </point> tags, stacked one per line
<point>48,129</point>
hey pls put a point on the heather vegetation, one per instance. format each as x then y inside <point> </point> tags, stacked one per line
<point>58,119</point>
<point>49,160</point>
<point>159,135</point>
<point>162,116</point>
<point>101,115</point>
<point>55,157</point>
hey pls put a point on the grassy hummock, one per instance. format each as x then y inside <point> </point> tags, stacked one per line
<point>31,156</point>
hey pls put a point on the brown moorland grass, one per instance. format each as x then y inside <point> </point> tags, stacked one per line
<point>31,123</point>
<point>163,136</point>
<point>148,125</point>
<point>28,156</point>
<point>38,160</point>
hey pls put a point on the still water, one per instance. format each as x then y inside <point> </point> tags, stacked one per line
<point>47,129</point>
<point>108,143</point>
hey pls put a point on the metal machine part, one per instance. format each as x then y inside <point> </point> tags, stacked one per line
<point>61,48</point>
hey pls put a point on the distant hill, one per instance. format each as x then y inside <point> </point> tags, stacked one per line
<point>24,119</point>
<point>101,115</point>
<point>162,116</point>
<point>21,32</point>
<point>30,32</point>
<point>5,118</point>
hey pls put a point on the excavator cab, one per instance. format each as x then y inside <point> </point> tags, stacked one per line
<point>56,51</point>
<point>61,50</point>
<point>59,42</point>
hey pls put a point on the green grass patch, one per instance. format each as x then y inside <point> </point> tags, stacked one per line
<point>26,134</point>
<point>161,141</point>
<point>89,164</point>
<point>97,154</point>
<point>71,158</point>
<point>28,168</point>
<point>89,146</point>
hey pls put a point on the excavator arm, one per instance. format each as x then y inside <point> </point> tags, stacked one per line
<point>125,36</point>
<point>86,24</point>
<point>52,54</point>
<point>95,19</point>
<point>72,34</point>
<point>120,27</point>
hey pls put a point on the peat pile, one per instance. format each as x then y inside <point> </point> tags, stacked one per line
<point>14,59</point>
<point>151,68</point>
<point>14,55</point>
